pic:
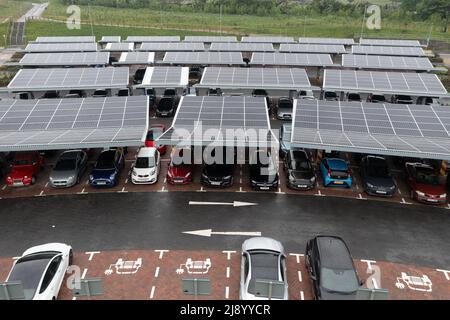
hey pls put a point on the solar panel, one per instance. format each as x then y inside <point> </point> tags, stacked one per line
<point>165,77</point>
<point>312,48</point>
<point>254,78</point>
<point>291,59</point>
<point>71,39</point>
<point>387,129</point>
<point>389,51</point>
<point>268,39</point>
<point>153,39</point>
<point>119,46</point>
<point>421,84</point>
<point>311,40</point>
<point>69,78</point>
<point>60,47</point>
<point>390,42</point>
<point>136,58</point>
<point>72,123</point>
<point>172,46</point>
<point>202,58</point>
<point>229,121</point>
<point>210,39</point>
<point>241,46</point>
<point>110,39</point>
<point>386,62</point>
<point>65,59</point>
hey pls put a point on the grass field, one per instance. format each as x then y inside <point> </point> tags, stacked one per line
<point>328,26</point>
<point>13,9</point>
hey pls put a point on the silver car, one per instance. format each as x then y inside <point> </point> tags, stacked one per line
<point>263,262</point>
<point>68,169</point>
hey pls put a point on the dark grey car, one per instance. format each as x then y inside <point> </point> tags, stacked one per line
<point>376,177</point>
<point>68,169</point>
<point>284,109</point>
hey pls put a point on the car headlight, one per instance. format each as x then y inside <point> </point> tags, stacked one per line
<point>369,185</point>
<point>291,178</point>
<point>112,176</point>
<point>152,172</point>
<point>25,177</point>
<point>71,179</point>
<point>420,193</point>
<point>134,173</point>
<point>91,177</point>
<point>442,196</point>
<point>227,178</point>
<point>313,179</point>
<point>51,179</point>
<point>169,174</point>
<point>187,175</point>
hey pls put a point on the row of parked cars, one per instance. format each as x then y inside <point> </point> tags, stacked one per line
<point>378,98</point>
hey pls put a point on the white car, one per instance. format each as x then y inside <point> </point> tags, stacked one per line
<point>146,167</point>
<point>263,259</point>
<point>41,270</point>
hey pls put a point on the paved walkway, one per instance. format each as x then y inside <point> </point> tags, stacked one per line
<point>36,11</point>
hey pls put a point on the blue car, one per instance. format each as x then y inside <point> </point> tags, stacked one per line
<point>335,172</point>
<point>107,169</point>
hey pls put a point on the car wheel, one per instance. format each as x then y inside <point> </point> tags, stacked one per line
<point>33,179</point>
<point>70,257</point>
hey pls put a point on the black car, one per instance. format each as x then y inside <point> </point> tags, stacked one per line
<point>123,93</point>
<point>331,269</point>
<point>353,97</point>
<point>284,109</point>
<point>151,96</point>
<point>100,93</point>
<point>139,76</point>
<point>263,171</point>
<point>50,95</point>
<point>376,177</point>
<point>376,98</point>
<point>165,107</point>
<point>217,175</point>
<point>299,170</point>
<point>402,99</point>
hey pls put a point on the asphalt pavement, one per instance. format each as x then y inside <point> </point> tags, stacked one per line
<point>418,235</point>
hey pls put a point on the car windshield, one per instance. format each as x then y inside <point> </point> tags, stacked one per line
<point>264,266</point>
<point>105,162</point>
<point>300,165</point>
<point>65,164</point>
<point>427,176</point>
<point>285,104</point>
<point>144,162</point>
<point>29,271</point>
<point>378,170</point>
<point>338,280</point>
<point>22,162</point>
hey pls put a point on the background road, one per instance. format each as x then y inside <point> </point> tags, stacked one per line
<point>418,235</point>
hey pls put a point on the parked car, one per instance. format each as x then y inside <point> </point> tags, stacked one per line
<point>75,94</point>
<point>146,167</point>
<point>376,98</point>
<point>217,175</point>
<point>139,76</point>
<point>24,169</point>
<point>195,74</point>
<point>41,270</point>
<point>262,259</point>
<point>335,172</point>
<point>214,92</point>
<point>151,96</point>
<point>124,93</point>
<point>68,169</point>
<point>425,183</point>
<point>376,177</point>
<point>299,170</point>
<point>181,166</point>
<point>154,132</point>
<point>50,95</point>
<point>172,93</point>
<point>107,168</point>
<point>353,97</point>
<point>24,95</point>
<point>402,99</point>
<point>331,269</point>
<point>285,109</point>
<point>330,96</point>
<point>166,107</point>
<point>263,171</point>
<point>428,101</point>
<point>285,139</point>
<point>100,93</point>
<point>306,95</point>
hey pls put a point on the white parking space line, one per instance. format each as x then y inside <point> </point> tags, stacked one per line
<point>91,254</point>
<point>399,191</point>
<point>300,276</point>
<point>201,189</point>
<point>161,253</point>
<point>280,192</point>
<point>297,256</point>
<point>240,190</point>
<point>126,180</point>
<point>319,194</point>
<point>46,185</point>
<point>374,283</point>
<point>228,253</point>
<point>165,180</point>
<point>157,272</point>
<point>4,187</point>
<point>227,292</point>
<point>84,273</point>
<point>123,190</point>
<point>446,273</point>
<point>404,202</point>
<point>302,295</point>
<point>40,194</point>
<point>163,189</point>
<point>360,197</point>
<point>228,272</point>
<point>369,263</point>
<point>152,292</point>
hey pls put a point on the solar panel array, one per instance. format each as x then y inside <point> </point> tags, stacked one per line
<point>127,58</point>
<point>386,62</point>
<point>389,51</point>
<point>268,39</point>
<point>69,78</point>
<point>241,46</point>
<point>312,48</point>
<point>65,59</point>
<point>61,47</point>
<point>153,39</point>
<point>164,77</point>
<point>404,130</point>
<point>341,41</point>
<point>254,78</point>
<point>72,123</point>
<point>210,39</point>
<point>390,42</point>
<point>64,39</point>
<point>201,58</point>
<point>172,46</point>
<point>110,39</point>
<point>119,46</point>
<point>423,84</point>
<point>291,59</point>
<point>201,120</point>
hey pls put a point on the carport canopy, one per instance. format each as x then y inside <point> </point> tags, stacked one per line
<point>165,77</point>
<point>65,59</point>
<point>55,124</point>
<point>64,39</point>
<point>229,121</point>
<point>68,79</point>
<point>417,131</point>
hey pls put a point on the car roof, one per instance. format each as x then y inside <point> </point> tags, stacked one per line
<point>337,164</point>
<point>24,155</point>
<point>376,159</point>
<point>334,253</point>
<point>107,153</point>
<point>420,165</point>
<point>146,152</point>
<point>70,154</point>
<point>298,154</point>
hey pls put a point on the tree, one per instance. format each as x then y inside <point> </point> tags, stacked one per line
<point>424,9</point>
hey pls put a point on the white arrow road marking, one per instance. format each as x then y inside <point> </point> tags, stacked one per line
<point>234,203</point>
<point>209,232</point>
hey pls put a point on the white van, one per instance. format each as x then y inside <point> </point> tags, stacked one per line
<point>147,166</point>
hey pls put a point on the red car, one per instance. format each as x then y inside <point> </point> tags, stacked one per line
<point>426,184</point>
<point>154,132</point>
<point>24,167</point>
<point>181,166</point>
